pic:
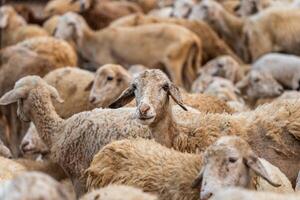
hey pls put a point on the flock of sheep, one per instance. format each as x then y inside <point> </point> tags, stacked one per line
<point>150,100</point>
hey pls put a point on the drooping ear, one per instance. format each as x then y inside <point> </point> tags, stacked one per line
<point>54,94</point>
<point>198,181</point>
<point>3,21</point>
<point>14,95</point>
<point>253,162</point>
<point>89,86</point>
<point>176,96</point>
<point>124,98</point>
<point>244,83</point>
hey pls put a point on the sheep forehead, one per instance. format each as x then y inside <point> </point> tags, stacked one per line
<point>228,145</point>
<point>29,81</point>
<point>151,76</point>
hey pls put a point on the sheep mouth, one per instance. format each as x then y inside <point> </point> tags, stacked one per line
<point>146,117</point>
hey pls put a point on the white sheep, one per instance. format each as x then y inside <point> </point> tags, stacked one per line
<point>278,123</point>
<point>242,194</point>
<point>284,68</point>
<point>118,192</point>
<point>33,185</point>
<point>170,174</point>
<point>179,54</point>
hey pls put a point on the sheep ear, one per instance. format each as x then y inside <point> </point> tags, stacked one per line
<point>124,98</point>
<point>3,21</point>
<point>176,96</point>
<point>54,94</point>
<point>198,181</point>
<point>255,164</point>
<point>89,86</point>
<point>13,96</point>
<point>244,83</point>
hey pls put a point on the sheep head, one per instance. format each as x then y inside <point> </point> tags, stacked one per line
<point>151,89</point>
<point>259,84</point>
<point>109,83</point>
<point>229,162</point>
<point>60,7</point>
<point>9,17</point>
<point>32,143</point>
<point>23,93</point>
<point>206,10</point>
<point>4,151</point>
<point>70,27</point>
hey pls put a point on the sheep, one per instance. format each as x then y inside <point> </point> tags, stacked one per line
<point>125,161</point>
<point>242,194</point>
<point>97,14</point>
<point>254,36</point>
<point>4,151</point>
<point>33,185</point>
<point>223,66</point>
<point>32,56</point>
<point>71,83</point>
<point>259,84</point>
<point>250,7</point>
<point>94,128</point>
<point>179,54</point>
<point>272,130</point>
<point>217,86</point>
<point>15,29</point>
<point>285,69</point>
<point>111,80</point>
<point>212,47</point>
<point>9,169</point>
<point>226,163</point>
<point>50,24</point>
<point>118,192</point>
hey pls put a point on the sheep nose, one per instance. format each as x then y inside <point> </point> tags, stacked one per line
<point>205,195</point>
<point>280,90</point>
<point>144,108</point>
<point>92,99</point>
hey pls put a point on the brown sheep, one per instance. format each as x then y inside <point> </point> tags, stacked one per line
<point>97,13</point>
<point>14,28</point>
<point>177,50</point>
<point>212,47</point>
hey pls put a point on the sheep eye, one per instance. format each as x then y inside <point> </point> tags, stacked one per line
<point>220,65</point>
<point>110,78</point>
<point>166,86</point>
<point>134,86</point>
<point>256,80</point>
<point>232,160</point>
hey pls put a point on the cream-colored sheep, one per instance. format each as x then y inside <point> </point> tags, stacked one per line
<point>212,47</point>
<point>223,66</point>
<point>179,54</point>
<point>14,28</point>
<point>111,80</point>
<point>118,192</point>
<point>254,36</point>
<point>170,174</point>
<point>241,194</point>
<point>50,24</point>
<point>33,185</point>
<point>272,130</point>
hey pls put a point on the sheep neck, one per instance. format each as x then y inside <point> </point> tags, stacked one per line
<point>85,41</point>
<point>44,116</point>
<point>230,27</point>
<point>165,128</point>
